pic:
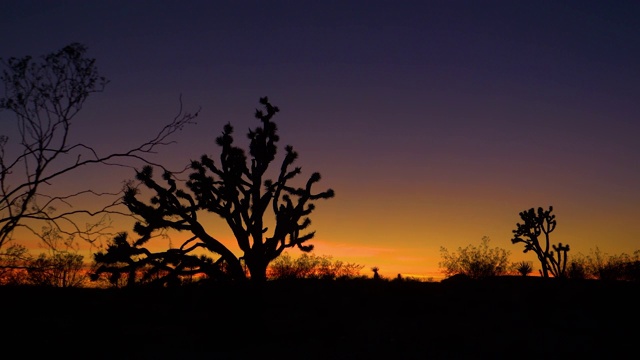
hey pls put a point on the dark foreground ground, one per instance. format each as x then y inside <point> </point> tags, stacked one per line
<point>501,318</point>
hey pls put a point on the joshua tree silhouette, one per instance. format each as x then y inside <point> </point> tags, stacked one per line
<point>536,224</point>
<point>237,189</point>
<point>375,269</point>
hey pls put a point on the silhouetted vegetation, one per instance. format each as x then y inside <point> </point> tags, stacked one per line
<point>13,265</point>
<point>475,312</point>
<point>128,265</point>
<point>534,224</point>
<point>238,190</point>
<point>61,269</point>
<point>600,266</point>
<point>523,268</point>
<point>311,266</point>
<point>56,269</point>
<point>475,262</point>
<point>46,94</point>
<point>375,270</point>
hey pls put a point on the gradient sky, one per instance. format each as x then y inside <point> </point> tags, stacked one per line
<point>436,122</point>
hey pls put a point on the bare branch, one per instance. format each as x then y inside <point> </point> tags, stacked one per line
<point>45,95</point>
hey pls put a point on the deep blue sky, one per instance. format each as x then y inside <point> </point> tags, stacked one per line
<point>434,121</point>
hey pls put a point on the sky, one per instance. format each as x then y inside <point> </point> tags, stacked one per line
<point>435,122</point>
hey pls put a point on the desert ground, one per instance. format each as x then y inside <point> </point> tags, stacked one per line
<point>508,317</point>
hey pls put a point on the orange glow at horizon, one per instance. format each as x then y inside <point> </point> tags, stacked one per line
<point>399,223</point>
<point>435,124</point>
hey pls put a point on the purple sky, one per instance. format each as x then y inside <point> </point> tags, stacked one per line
<point>436,122</point>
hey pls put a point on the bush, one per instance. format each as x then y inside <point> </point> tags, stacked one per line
<point>578,268</point>
<point>475,262</point>
<point>602,266</point>
<point>61,269</point>
<point>311,266</point>
<point>613,267</point>
<point>13,265</point>
<point>523,268</point>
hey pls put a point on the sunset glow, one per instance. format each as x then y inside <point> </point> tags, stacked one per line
<point>435,122</point>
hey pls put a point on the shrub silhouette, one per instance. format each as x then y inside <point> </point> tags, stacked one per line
<point>612,267</point>
<point>475,262</point>
<point>61,269</point>
<point>14,263</point>
<point>578,267</point>
<point>237,189</point>
<point>524,268</point>
<point>310,266</point>
<point>56,269</point>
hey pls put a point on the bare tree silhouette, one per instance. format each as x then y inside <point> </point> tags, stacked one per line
<point>45,95</point>
<point>237,190</point>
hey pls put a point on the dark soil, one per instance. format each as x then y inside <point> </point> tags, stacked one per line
<point>523,318</point>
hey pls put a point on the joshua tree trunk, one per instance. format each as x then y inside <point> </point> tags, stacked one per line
<point>257,267</point>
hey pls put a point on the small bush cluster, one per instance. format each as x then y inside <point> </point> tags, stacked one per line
<point>475,262</point>
<point>601,266</point>
<point>58,269</point>
<point>311,266</point>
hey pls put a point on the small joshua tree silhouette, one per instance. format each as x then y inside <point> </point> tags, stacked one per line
<point>375,269</point>
<point>553,258</point>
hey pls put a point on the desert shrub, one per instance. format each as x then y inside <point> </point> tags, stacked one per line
<point>602,266</point>
<point>623,266</point>
<point>475,262</point>
<point>411,279</point>
<point>311,266</point>
<point>13,265</point>
<point>57,269</point>
<point>523,268</point>
<point>632,270</point>
<point>61,269</point>
<point>578,267</point>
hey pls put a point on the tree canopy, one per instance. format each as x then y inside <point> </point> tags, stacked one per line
<point>46,94</point>
<point>238,189</point>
